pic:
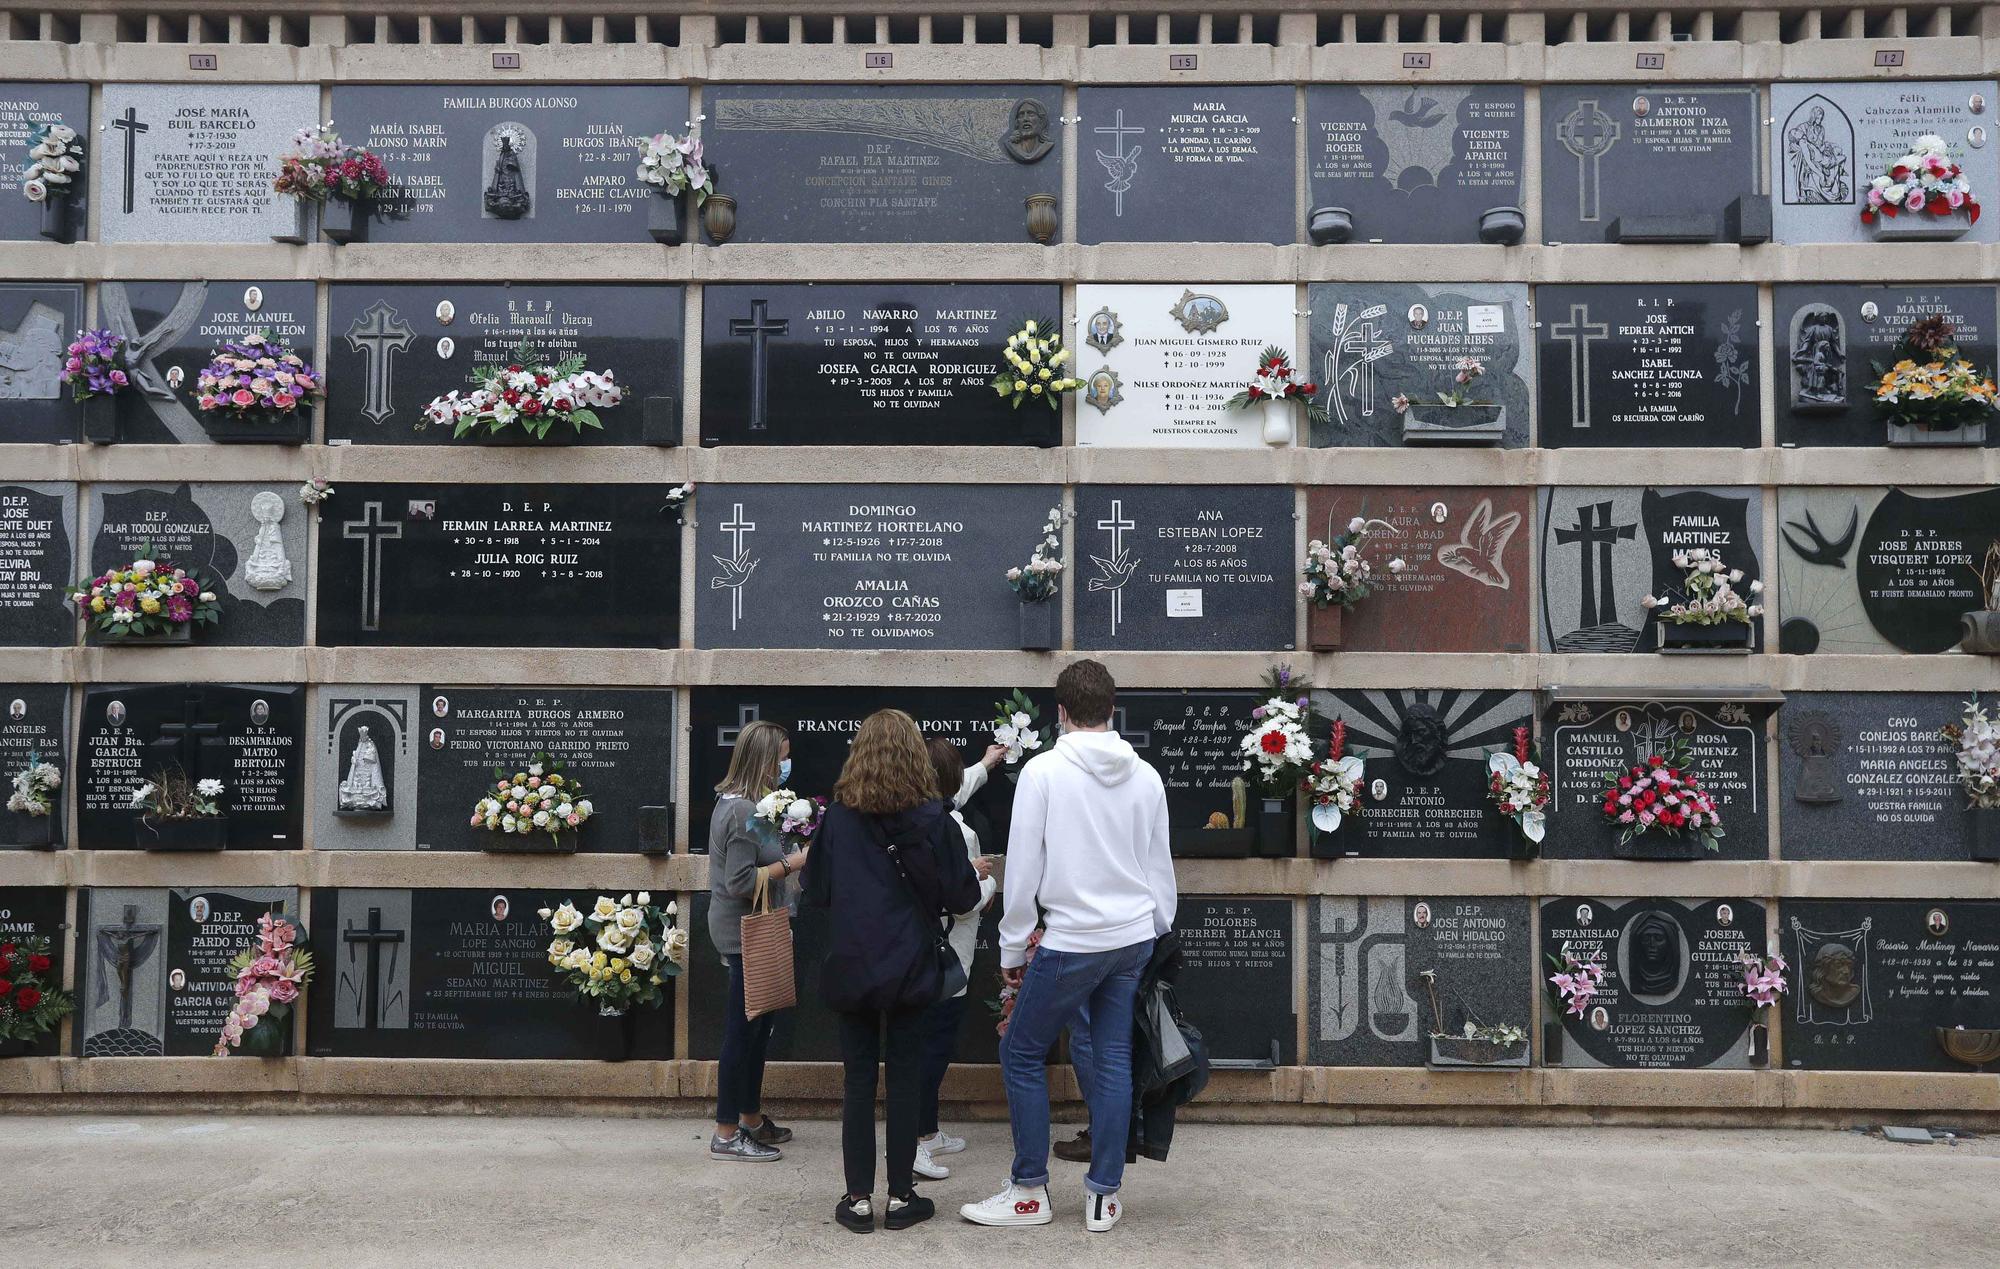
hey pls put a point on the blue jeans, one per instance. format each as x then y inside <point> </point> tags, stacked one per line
<point>1057,985</point>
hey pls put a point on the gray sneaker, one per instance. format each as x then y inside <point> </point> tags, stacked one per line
<point>742,1148</point>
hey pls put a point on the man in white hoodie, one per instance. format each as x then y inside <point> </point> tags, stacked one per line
<point>1088,852</point>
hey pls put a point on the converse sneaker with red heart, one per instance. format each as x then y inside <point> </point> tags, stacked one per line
<point>1015,1205</point>
<point>1101,1211</point>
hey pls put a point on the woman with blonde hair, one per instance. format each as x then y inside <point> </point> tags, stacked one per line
<point>890,866</point>
<point>740,846</point>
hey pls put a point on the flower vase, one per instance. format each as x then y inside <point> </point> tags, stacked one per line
<point>260,427</point>
<point>180,633</point>
<point>56,226</point>
<point>34,832</point>
<point>718,217</point>
<point>345,220</point>
<point>1456,1052</point>
<point>1520,846</point>
<point>1552,1041</point>
<point>1986,836</point>
<point>536,843</point>
<point>1323,624</point>
<point>1909,226</point>
<point>1982,632</point>
<point>303,228</point>
<point>207,832</point>
<point>1474,423</point>
<point>1684,637</point>
<point>1760,1044</point>
<point>103,415</point>
<point>1917,436</point>
<point>1654,844</point>
<point>666,218</point>
<point>1042,218</point>
<point>270,1037</point>
<point>1039,622</point>
<point>1274,422</point>
<point>617,1032</point>
<point>1277,835</point>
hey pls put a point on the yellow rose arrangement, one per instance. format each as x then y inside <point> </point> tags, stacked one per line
<point>1035,357</point>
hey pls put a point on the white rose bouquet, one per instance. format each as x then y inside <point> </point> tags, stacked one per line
<point>620,953</point>
<point>796,818</point>
<point>1709,596</point>
<point>538,799</point>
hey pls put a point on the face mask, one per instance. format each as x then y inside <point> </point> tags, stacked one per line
<point>784,771</point>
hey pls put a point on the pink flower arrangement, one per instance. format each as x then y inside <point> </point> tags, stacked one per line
<point>270,975</point>
<point>322,166</point>
<point>257,374</point>
<point>1763,978</point>
<point>1662,795</point>
<point>1926,181</point>
<point>1577,982</point>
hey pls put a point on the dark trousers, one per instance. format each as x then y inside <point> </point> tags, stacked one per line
<point>739,1074</point>
<point>862,1053</point>
<point>941,1026</point>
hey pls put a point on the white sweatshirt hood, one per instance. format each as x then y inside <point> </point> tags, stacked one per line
<point>1106,755</point>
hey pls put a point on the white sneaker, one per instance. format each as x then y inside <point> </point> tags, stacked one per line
<point>1015,1205</point>
<point>925,1166</point>
<point>943,1143</point>
<point>1101,1211</point>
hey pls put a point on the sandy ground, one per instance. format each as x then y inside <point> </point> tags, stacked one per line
<point>356,1190</point>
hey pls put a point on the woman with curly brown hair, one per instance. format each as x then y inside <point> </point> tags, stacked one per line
<point>890,867</point>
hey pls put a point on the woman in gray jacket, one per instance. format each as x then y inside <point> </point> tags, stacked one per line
<point>740,846</point>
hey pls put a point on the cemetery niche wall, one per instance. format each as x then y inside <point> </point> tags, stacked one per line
<point>823,337</point>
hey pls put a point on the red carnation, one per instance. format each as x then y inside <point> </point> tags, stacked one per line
<point>28,998</point>
<point>38,964</point>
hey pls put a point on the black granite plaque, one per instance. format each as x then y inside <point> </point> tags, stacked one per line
<point>1370,1002</point>
<point>458,974</point>
<point>822,721</point>
<point>810,1031</point>
<point>1875,982</point>
<point>592,566</point>
<point>1648,162</point>
<point>1375,342</point>
<point>1236,977</point>
<point>616,742</point>
<point>510,163</point>
<point>246,735</point>
<point>1670,367</point>
<point>1426,779</point>
<point>1606,549</point>
<point>25,912</point>
<point>36,563</point>
<point>1830,346</point>
<point>882,364</point>
<point>1194,739</point>
<point>1587,741</point>
<point>1672,997</point>
<point>153,974</point>
<point>1184,567</point>
<point>1417,163</point>
<point>863,566</point>
<point>1188,163</point>
<point>246,543</point>
<point>1881,570</point>
<point>24,106</point>
<point>170,330</point>
<point>1865,775</point>
<point>37,322</point>
<point>397,348</point>
<point>884,162</point>
<point>34,731</point>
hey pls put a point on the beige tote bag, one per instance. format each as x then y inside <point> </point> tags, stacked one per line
<point>768,985</point>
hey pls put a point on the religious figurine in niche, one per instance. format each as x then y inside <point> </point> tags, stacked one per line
<point>507,194</point>
<point>1819,360</point>
<point>1815,738</point>
<point>267,568</point>
<point>1028,132</point>
<point>1834,976</point>
<point>1818,164</point>
<point>1653,954</point>
<point>363,790</point>
<point>1423,740</point>
<point>122,950</point>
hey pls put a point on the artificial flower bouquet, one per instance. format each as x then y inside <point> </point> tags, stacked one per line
<point>1277,751</point>
<point>796,819</point>
<point>1035,583</point>
<point>1276,380</point>
<point>533,396</point>
<point>1925,183</point>
<point>178,813</point>
<point>536,800</point>
<point>1015,728</point>
<point>1576,982</point>
<point>55,162</point>
<point>1763,983</point>
<point>32,1002</point>
<point>35,787</point>
<point>315,491</point>
<point>271,974</point>
<point>1975,741</point>
<point>1929,387</point>
<point>1034,356</point>
<point>94,365</point>
<point>1709,610</point>
<point>1475,1043</point>
<point>1518,786</point>
<point>1335,782</point>
<point>673,164</point>
<point>148,600</point>
<point>1661,795</point>
<point>1335,573</point>
<point>257,376</point>
<point>322,166</point>
<point>620,953</point>
<point>1459,395</point>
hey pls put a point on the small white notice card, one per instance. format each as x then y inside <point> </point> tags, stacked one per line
<point>1486,319</point>
<point>1183,603</point>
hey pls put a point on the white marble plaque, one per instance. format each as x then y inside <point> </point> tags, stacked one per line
<point>194,162</point>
